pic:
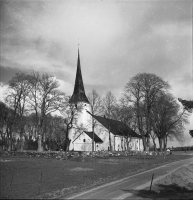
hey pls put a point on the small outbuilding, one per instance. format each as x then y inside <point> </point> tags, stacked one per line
<point>83,142</point>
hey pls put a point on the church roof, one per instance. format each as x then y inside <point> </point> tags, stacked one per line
<point>79,92</point>
<point>117,128</point>
<point>96,138</point>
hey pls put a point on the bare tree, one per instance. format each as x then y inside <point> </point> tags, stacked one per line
<point>71,113</point>
<point>125,113</point>
<point>153,137</point>
<point>188,105</point>
<point>5,120</point>
<point>55,130</point>
<point>16,100</point>
<point>108,108</point>
<point>142,90</point>
<point>44,98</point>
<point>95,105</point>
<point>167,119</point>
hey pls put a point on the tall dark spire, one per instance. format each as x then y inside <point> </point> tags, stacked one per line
<point>79,93</point>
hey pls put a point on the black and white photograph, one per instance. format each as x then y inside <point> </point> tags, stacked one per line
<point>96,99</point>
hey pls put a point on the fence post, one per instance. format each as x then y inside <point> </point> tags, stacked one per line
<point>151,181</point>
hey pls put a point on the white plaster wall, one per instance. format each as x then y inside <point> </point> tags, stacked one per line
<point>84,119</point>
<point>135,144</point>
<point>83,143</point>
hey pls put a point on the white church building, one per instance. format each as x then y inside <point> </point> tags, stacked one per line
<point>82,141</point>
<point>122,137</point>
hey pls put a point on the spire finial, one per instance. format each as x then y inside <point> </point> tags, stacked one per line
<point>78,56</point>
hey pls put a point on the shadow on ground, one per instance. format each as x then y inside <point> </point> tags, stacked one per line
<point>168,192</point>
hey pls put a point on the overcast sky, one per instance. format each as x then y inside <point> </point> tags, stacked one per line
<point>118,39</point>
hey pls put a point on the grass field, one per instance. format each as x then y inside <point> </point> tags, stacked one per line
<point>36,177</point>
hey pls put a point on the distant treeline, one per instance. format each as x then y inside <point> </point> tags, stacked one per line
<point>32,144</point>
<point>186,148</point>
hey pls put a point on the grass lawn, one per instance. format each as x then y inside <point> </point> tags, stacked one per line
<point>37,177</point>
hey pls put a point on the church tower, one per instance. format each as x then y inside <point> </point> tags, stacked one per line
<point>79,92</point>
<point>77,97</point>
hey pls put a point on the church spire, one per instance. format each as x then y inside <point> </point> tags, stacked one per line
<point>79,92</point>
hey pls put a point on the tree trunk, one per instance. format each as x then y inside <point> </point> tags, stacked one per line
<point>68,141</point>
<point>67,138</point>
<point>127,142</point>
<point>40,136</point>
<point>160,143</point>
<point>92,135</point>
<point>154,144</point>
<point>40,147</point>
<point>110,148</point>
<point>68,144</point>
<point>122,144</point>
<point>148,128</point>
<point>21,144</point>
<point>9,144</point>
<point>147,143</point>
<point>144,143</point>
<point>165,142</point>
<point>153,139</point>
<point>22,140</point>
<point>9,139</point>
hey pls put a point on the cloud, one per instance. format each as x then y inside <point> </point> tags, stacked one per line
<point>118,39</point>
<point>65,87</point>
<point>182,87</point>
<point>6,73</point>
<point>3,90</point>
<point>172,30</point>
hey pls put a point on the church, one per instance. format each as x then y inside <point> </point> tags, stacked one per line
<point>123,138</point>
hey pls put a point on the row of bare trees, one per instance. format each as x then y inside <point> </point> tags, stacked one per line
<point>33,97</point>
<point>146,106</point>
<point>157,112</point>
